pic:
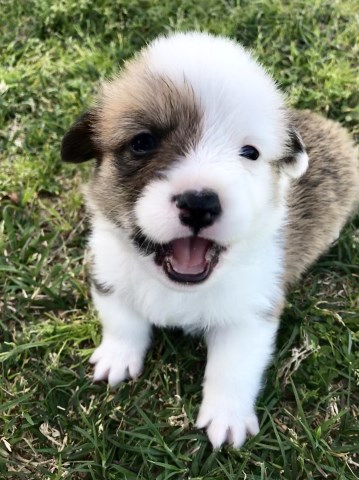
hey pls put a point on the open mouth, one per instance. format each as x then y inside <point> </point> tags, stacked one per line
<point>188,260</point>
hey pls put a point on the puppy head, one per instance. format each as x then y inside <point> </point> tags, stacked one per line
<point>194,149</point>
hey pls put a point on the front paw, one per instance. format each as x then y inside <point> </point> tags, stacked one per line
<point>115,360</point>
<point>226,420</point>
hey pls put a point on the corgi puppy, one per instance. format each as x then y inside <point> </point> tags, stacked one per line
<point>208,199</point>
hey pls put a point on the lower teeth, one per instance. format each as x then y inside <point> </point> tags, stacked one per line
<point>211,252</point>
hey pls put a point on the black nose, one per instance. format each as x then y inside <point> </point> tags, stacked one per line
<point>198,209</point>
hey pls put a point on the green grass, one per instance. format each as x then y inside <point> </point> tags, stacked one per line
<point>54,423</point>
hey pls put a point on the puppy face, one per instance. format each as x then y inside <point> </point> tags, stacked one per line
<point>194,152</point>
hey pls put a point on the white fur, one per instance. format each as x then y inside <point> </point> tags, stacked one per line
<point>240,100</point>
<point>241,106</point>
<point>297,169</point>
<point>229,308</point>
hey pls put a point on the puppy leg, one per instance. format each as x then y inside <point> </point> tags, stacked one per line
<point>126,337</point>
<point>237,357</point>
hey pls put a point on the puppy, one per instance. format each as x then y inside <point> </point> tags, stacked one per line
<point>208,199</point>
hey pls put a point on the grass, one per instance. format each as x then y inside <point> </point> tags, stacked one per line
<point>54,422</point>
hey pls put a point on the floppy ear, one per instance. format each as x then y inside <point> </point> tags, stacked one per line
<point>78,144</point>
<point>295,162</point>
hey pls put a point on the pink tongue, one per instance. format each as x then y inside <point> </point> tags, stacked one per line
<point>188,254</point>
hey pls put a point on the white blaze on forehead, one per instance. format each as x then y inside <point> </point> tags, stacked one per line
<point>239,99</point>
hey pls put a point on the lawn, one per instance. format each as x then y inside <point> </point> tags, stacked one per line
<point>54,422</point>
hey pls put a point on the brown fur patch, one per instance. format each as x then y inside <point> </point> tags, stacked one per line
<point>139,101</point>
<point>321,201</point>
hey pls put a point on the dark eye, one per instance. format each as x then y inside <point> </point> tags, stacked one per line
<point>249,152</point>
<point>143,143</point>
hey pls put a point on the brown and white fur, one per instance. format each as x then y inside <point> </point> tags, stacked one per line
<point>209,197</point>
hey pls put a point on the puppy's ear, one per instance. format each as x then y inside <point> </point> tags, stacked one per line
<point>79,144</point>
<point>295,162</point>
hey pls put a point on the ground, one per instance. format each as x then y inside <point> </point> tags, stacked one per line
<point>54,422</point>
